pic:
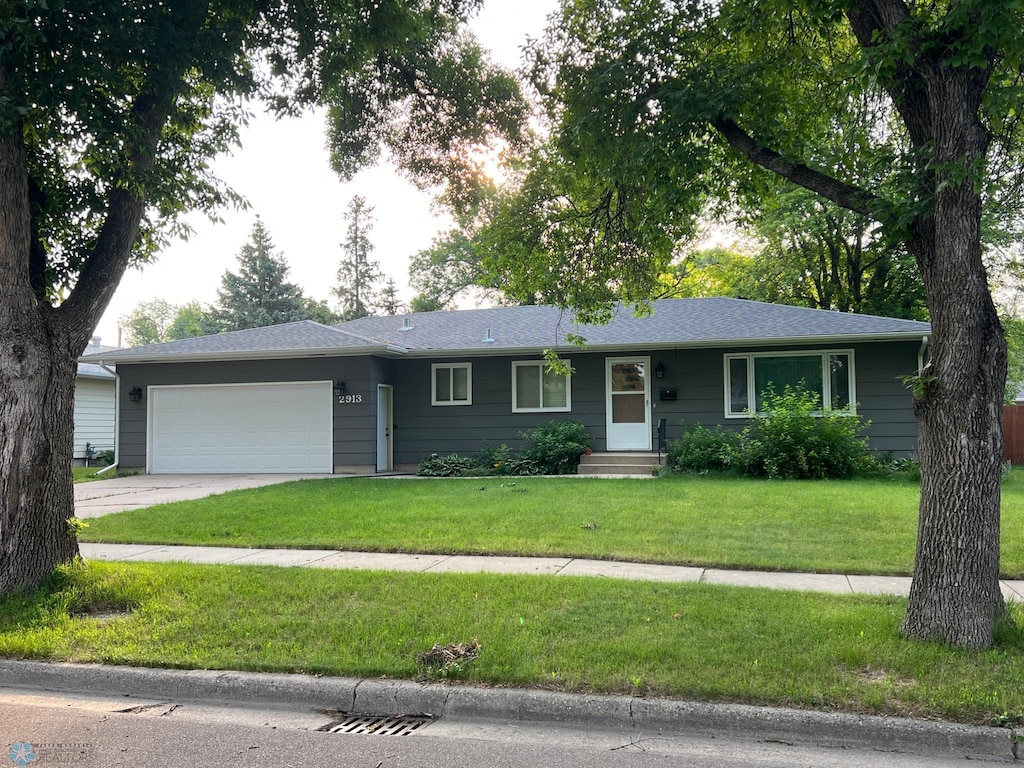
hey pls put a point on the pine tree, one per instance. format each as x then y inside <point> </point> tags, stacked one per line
<point>358,275</point>
<point>389,303</point>
<point>258,295</point>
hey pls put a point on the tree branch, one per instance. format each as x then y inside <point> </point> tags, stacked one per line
<point>109,259</point>
<point>845,195</point>
<point>873,23</point>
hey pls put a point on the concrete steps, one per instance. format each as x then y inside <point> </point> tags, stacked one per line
<point>627,463</point>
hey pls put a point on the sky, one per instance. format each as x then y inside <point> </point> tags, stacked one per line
<point>282,170</point>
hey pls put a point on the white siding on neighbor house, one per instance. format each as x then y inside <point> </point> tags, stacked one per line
<point>94,415</point>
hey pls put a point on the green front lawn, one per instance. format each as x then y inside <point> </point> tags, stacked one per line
<point>855,526</point>
<point>88,474</point>
<point>688,641</point>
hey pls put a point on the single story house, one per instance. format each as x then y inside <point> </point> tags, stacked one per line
<point>381,393</point>
<point>94,406</point>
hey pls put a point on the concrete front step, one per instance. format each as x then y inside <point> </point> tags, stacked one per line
<point>620,463</point>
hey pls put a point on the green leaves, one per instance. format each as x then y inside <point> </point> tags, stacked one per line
<point>138,97</point>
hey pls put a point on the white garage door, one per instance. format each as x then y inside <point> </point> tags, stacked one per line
<point>241,428</point>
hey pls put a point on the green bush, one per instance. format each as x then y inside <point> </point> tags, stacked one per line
<point>794,438</point>
<point>496,460</point>
<point>701,449</point>
<point>555,448</point>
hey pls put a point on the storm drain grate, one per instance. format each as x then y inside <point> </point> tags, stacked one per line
<point>378,726</point>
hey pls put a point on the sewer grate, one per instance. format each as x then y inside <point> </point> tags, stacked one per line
<point>378,726</point>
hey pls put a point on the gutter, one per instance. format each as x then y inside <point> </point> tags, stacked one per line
<point>273,354</point>
<point>920,355</point>
<point>117,417</point>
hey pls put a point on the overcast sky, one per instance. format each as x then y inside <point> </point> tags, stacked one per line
<point>282,170</point>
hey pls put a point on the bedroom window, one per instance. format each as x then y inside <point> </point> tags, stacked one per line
<point>452,384</point>
<point>534,388</point>
<point>828,374</point>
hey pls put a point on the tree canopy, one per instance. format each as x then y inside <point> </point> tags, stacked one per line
<point>259,294</point>
<point>358,274</point>
<point>109,116</point>
<point>904,113</point>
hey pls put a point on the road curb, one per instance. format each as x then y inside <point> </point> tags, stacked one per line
<point>403,697</point>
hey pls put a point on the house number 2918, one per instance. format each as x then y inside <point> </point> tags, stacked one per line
<point>350,398</point>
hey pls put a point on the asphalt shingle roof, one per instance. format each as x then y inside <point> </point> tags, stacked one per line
<point>95,370</point>
<point>672,323</point>
<point>301,336</point>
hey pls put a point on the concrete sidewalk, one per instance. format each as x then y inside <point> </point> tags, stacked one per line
<point>551,566</point>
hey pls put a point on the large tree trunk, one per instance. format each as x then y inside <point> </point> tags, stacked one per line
<point>955,596</point>
<point>36,418</point>
<point>40,344</point>
<point>37,379</point>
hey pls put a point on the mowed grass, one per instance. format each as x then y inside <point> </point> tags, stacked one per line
<point>855,526</point>
<point>88,474</point>
<point>687,641</point>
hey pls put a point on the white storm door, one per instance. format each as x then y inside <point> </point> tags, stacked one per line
<point>231,428</point>
<point>385,449</point>
<point>628,407</point>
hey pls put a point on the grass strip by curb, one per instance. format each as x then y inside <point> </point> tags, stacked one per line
<point>687,641</point>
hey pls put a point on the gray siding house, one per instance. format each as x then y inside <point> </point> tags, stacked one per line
<point>381,393</point>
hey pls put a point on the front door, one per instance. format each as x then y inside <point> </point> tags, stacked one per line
<point>628,387</point>
<point>384,429</point>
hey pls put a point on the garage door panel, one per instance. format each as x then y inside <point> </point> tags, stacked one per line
<point>241,428</point>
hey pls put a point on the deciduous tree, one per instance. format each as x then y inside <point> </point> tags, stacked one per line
<point>660,108</point>
<point>148,323</point>
<point>109,114</point>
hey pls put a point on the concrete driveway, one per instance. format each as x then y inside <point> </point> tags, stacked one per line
<point>102,497</point>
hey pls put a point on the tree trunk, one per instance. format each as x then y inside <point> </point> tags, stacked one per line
<point>955,595</point>
<point>36,418</point>
<point>37,379</point>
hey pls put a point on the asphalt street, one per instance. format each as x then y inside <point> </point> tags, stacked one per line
<point>107,732</point>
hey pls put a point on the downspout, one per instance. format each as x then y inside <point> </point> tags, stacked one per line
<point>920,355</point>
<point>117,417</point>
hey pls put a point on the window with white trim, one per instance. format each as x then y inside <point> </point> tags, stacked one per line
<point>826,373</point>
<point>451,384</point>
<point>535,388</point>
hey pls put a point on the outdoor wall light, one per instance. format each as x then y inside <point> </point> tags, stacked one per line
<point>339,388</point>
<point>135,394</point>
<point>659,371</point>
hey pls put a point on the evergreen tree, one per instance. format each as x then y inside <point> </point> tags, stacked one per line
<point>389,303</point>
<point>358,275</point>
<point>259,295</point>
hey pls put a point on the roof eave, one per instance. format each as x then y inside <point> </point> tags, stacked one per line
<point>775,341</point>
<point>272,354</point>
<point>393,350</point>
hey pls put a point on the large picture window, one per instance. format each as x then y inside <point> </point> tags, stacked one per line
<point>827,373</point>
<point>452,384</point>
<point>535,388</point>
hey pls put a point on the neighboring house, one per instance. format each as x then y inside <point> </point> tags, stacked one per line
<point>94,406</point>
<point>381,393</point>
